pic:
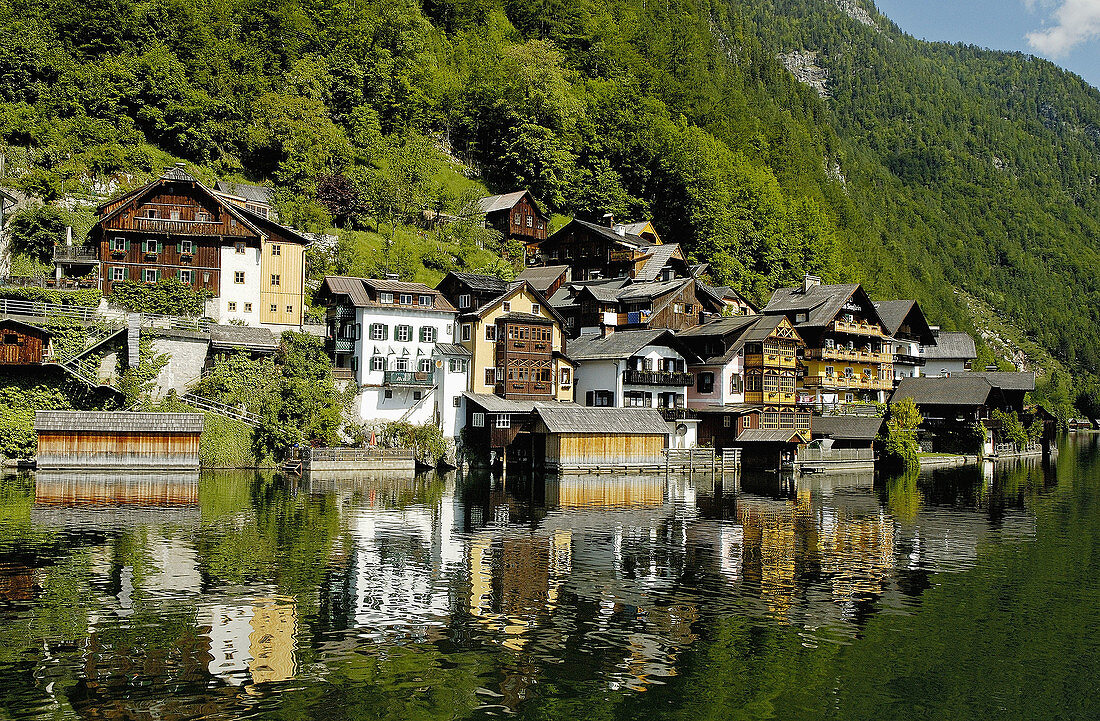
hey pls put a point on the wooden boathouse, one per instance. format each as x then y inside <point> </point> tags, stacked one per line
<point>22,344</point>
<point>117,439</point>
<point>578,437</point>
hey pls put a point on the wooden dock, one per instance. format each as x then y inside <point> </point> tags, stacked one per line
<point>358,459</point>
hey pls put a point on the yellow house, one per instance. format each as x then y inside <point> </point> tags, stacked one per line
<point>517,347</point>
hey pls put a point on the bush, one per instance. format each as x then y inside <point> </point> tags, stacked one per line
<point>35,230</point>
<point>168,296</point>
<point>85,297</point>
<point>426,440</point>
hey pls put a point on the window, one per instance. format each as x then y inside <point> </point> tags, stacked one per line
<point>456,365</point>
<point>800,317</point>
<point>752,382</point>
<point>403,333</point>
<point>276,249</point>
<point>463,301</point>
<point>490,332</point>
<point>599,398</point>
<point>150,246</point>
<point>417,395</point>
<point>504,421</point>
<point>275,279</point>
<point>566,377</point>
<point>388,394</point>
<point>705,382</point>
<point>231,306</point>
<point>425,301</point>
<point>725,421</point>
<point>247,307</point>
<point>175,215</point>
<point>735,383</point>
<point>406,299</point>
<point>507,306</point>
<point>238,277</point>
<point>118,243</point>
<point>401,365</point>
<point>377,363</point>
<point>830,371</point>
<point>427,334</point>
<point>424,365</point>
<point>678,308</point>
<point>378,331</point>
<point>290,309</point>
<point>150,276</point>
<point>490,376</point>
<point>385,297</point>
<point>150,214</point>
<point>478,420</point>
<point>457,401</point>
<point>467,331</point>
<point>848,397</point>
<point>187,276</point>
<point>530,221</point>
<point>516,218</point>
<point>535,309</point>
<point>274,308</point>
<point>637,399</point>
<point>239,248</point>
<point>118,274</point>
<point>11,339</point>
<point>187,247</point>
<point>202,216</point>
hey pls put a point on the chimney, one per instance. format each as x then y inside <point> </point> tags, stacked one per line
<point>391,276</point>
<point>620,229</point>
<point>810,281</point>
<point>610,218</point>
<point>935,330</point>
<point>68,236</point>
<point>606,330</point>
<point>181,165</point>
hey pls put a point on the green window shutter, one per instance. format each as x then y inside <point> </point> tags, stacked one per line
<point>385,332</point>
<point>179,247</point>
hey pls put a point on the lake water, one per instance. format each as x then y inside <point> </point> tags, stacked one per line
<point>970,593</point>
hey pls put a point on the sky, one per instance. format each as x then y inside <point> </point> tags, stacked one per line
<point>1066,32</point>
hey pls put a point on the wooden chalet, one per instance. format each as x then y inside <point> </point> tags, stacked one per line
<point>909,335</point>
<point>848,356</point>
<point>598,252</point>
<point>625,304</point>
<point>176,227</point>
<point>515,215</point>
<point>257,198</point>
<point>120,439</point>
<point>470,291</point>
<point>546,279</point>
<point>22,343</point>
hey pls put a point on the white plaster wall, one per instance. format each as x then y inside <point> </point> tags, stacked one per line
<point>449,386</point>
<point>186,358</point>
<point>247,292</point>
<point>598,375</point>
<point>374,407</point>
<point>391,349</point>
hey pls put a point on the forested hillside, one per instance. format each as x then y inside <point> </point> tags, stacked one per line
<point>930,166</point>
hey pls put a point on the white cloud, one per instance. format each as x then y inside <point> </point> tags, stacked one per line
<point>1074,22</point>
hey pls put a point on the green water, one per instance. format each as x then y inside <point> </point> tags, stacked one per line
<point>971,593</point>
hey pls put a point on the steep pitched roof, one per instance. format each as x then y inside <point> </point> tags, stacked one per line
<point>542,277</point>
<point>227,337</point>
<point>481,283</point>
<point>622,344</point>
<point>964,389</point>
<point>952,346</point>
<point>846,427</point>
<point>358,292</point>
<point>821,303</point>
<point>734,331</point>
<point>506,201</point>
<point>894,313</point>
<point>570,418</point>
<point>254,193</point>
<point>657,260</point>
<point>635,241</point>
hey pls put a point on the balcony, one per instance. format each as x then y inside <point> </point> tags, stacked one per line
<point>178,227</point>
<point>846,383</point>
<point>343,345</point>
<point>857,328</point>
<point>770,360</point>
<point>909,360</point>
<point>676,414</point>
<point>658,378</point>
<point>854,355</point>
<point>408,378</point>
<point>75,254</point>
<point>343,374</point>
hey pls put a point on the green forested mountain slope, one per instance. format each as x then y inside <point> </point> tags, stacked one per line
<point>931,165</point>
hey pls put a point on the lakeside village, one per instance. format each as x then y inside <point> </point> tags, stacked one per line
<point>607,353</point>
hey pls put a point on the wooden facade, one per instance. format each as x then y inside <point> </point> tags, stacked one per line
<point>22,344</point>
<point>525,357</point>
<point>93,439</point>
<point>522,218</point>
<point>581,450</point>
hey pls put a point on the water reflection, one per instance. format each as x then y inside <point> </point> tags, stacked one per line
<point>179,596</point>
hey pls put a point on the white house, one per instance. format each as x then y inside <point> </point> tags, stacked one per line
<point>909,333</point>
<point>953,353</point>
<point>239,288</point>
<point>397,340</point>
<point>639,369</point>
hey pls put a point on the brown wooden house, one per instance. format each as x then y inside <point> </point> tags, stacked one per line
<point>176,227</point>
<point>596,252</point>
<point>117,439</point>
<point>22,344</point>
<point>626,304</point>
<point>515,215</point>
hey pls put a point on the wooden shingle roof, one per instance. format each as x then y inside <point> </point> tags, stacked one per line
<point>846,427</point>
<point>570,418</point>
<point>118,422</point>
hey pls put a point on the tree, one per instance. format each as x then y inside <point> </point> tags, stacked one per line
<point>35,231</point>
<point>899,444</point>
<point>341,197</point>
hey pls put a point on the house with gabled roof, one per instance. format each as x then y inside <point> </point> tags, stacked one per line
<point>910,335</point>
<point>954,352</point>
<point>176,227</point>
<point>260,199</point>
<point>597,251</point>
<point>627,304</point>
<point>515,215</point>
<point>848,357</point>
<point>397,341</point>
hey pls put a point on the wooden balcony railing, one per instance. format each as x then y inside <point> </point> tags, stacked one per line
<point>854,355</point>
<point>75,254</point>
<point>858,328</point>
<point>842,382</point>
<point>408,378</point>
<point>658,378</point>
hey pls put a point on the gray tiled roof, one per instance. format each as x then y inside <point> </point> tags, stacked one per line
<point>615,346</point>
<point>893,312</point>
<point>636,241</point>
<point>357,290</point>
<point>451,349</point>
<point>254,193</point>
<point>542,277</point>
<point>118,421</point>
<point>846,427</point>
<point>495,404</point>
<point>242,336</point>
<point>658,259</point>
<point>1007,380</point>
<point>952,346</point>
<point>507,201</point>
<point>571,418</point>
<point>482,283</point>
<point>964,389</point>
<point>759,435</point>
<point>735,331</point>
<point>821,303</point>
<point>177,173</point>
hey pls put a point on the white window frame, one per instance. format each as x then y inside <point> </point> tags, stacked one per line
<point>378,331</point>
<point>464,301</point>
<point>118,243</point>
<point>385,297</point>
<point>477,420</point>
<point>378,363</point>
<point>147,277</point>
<point>424,365</point>
<point>187,247</point>
<point>425,301</point>
<point>118,274</point>
<point>402,333</point>
<point>150,246</point>
<point>405,299</point>
<point>275,278</point>
<point>187,276</point>
<point>503,420</point>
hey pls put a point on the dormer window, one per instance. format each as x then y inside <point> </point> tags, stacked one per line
<point>385,297</point>
<point>426,301</point>
<point>406,299</point>
<point>800,317</point>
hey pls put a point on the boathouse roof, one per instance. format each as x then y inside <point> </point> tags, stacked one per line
<point>228,337</point>
<point>569,418</point>
<point>846,427</point>
<point>118,422</point>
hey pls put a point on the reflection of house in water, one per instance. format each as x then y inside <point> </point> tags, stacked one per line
<point>94,500</point>
<point>251,639</point>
